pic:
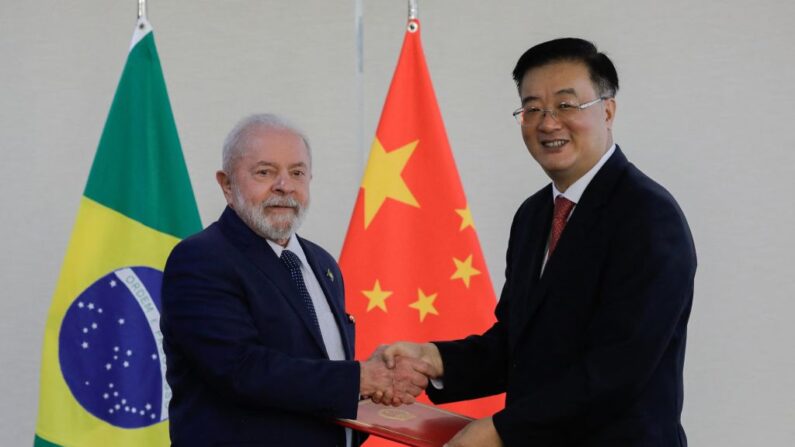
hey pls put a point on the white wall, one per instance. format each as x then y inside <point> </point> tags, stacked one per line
<point>706,108</point>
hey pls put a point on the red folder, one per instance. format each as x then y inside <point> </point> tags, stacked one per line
<point>417,425</point>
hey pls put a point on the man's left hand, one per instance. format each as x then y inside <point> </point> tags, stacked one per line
<point>479,433</point>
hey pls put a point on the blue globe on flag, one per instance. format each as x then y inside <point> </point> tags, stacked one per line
<point>110,349</point>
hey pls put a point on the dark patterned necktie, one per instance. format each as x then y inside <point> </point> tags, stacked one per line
<point>293,264</point>
<point>563,207</point>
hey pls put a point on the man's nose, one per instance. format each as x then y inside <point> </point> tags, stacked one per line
<point>282,184</point>
<point>548,122</point>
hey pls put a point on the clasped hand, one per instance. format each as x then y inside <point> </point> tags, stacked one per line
<point>396,374</point>
<point>408,367</point>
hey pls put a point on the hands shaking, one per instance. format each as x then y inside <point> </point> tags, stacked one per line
<point>396,374</point>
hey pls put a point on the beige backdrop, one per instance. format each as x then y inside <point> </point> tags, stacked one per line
<point>706,108</point>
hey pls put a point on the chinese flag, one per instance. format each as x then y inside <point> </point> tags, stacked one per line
<point>411,259</point>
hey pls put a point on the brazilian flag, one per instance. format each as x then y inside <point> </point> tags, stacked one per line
<point>103,370</point>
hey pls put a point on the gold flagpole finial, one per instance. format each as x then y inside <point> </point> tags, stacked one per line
<point>141,8</point>
<point>414,10</point>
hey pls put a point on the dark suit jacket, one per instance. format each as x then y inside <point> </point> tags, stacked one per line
<point>244,362</point>
<point>590,353</point>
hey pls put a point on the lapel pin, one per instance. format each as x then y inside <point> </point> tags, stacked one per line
<point>330,275</point>
<point>350,317</point>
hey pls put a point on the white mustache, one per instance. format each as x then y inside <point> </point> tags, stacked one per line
<point>280,201</point>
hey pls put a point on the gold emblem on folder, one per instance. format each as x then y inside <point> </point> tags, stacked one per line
<point>396,414</point>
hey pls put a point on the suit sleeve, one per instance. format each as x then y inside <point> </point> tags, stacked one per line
<point>479,361</point>
<point>210,333</point>
<point>644,301</point>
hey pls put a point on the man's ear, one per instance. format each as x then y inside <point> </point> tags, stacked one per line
<point>610,112</point>
<point>225,182</point>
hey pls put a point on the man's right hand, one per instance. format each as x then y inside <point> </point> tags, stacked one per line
<point>426,352</point>
<point>397,385</point>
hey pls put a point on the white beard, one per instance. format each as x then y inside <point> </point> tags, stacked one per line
<point>273,227</point>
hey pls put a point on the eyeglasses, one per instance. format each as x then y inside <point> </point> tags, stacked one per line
<point>531,115</point>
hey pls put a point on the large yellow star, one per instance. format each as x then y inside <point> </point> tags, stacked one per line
<point>424,304</point>
<point>464,270</point>
<point>466,218</point>
<point>382,178</point>
<point>377,297</point>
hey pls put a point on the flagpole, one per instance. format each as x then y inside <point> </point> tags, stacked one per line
<point>141,8</point>
<point>414,11</point>
<point>359,81</point>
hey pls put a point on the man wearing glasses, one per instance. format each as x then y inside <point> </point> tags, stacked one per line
<point>589,342</point>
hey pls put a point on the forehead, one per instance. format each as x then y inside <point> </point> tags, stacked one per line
<point>276,146</point>
<point>557,78</point>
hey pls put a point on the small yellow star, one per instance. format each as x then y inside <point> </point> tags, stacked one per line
<point>424,304</point>
<point>377,297</point>
<point>466,218</point>
<point>382,178</point>
<point>464,270</point>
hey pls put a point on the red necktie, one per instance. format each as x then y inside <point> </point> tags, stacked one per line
<point>563,207</point>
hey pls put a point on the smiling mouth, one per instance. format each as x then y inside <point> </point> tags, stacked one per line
<point>553,144</point>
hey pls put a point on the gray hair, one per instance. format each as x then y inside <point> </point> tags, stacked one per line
<point>234,144</point>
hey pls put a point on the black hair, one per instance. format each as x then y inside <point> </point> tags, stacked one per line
<point>603,73</point>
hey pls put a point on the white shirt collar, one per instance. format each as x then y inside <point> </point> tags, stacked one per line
<point>574,193</point>
<point>293,245</point>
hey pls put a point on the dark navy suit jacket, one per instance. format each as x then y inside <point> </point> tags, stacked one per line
<point>590,353</point>
<point>245,364</point>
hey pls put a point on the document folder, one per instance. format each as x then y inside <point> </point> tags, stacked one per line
<point>418,424</point>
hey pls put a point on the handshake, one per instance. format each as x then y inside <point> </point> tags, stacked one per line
<point>396,374</point>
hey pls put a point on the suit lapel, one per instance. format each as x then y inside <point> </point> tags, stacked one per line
<point>577,236</point>
<point>572,243</point>
<point>262,256</point>
<point>325,277</point>
<point>541,224</point>
<point>530,255</point>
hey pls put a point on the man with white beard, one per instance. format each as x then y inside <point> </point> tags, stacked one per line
<point>259,348</point>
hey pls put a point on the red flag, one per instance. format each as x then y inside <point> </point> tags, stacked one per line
<point>411,259</point>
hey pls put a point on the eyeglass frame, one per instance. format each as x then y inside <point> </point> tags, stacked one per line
<point>518,114</point>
